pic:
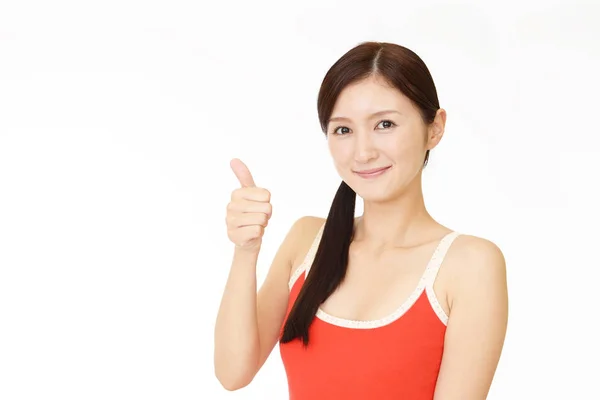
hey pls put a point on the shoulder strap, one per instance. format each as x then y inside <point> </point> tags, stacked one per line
<point>308,258</point>
<point>310,255</point>
<point>438,257</point>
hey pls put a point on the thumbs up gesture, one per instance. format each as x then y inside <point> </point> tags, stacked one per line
<point>249,210</point>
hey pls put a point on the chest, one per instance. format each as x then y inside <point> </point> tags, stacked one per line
<point>376,285</point>
<point>398,361</point>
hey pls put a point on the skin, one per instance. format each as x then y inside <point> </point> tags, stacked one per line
<point>395,229</point>
<point>471,285</point>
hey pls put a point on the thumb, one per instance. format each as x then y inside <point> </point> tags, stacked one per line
<point>242,173</point>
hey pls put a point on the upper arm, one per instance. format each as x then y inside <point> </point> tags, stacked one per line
<point>273,295</point>
<point>477,323</point>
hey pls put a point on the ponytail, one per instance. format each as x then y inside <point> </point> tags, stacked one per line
<point>328,268</point>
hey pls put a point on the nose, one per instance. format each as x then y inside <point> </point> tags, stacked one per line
<point>364,148</point>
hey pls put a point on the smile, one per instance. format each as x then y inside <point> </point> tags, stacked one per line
<point>372,173</point>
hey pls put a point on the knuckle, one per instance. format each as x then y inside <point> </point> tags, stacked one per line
<point>236,194</point>
<point>266,195</point>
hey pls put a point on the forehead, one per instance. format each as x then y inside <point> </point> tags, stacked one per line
<point>368,96</point>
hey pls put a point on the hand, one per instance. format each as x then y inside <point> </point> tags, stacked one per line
<point>249,210</point>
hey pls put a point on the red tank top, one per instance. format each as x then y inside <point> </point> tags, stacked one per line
<point>396,357</point>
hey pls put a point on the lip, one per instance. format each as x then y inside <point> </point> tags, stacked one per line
<point>367,173</point>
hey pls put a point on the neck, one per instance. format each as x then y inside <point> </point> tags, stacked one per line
<point>403,221</point>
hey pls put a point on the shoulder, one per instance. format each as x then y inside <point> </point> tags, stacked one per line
<point>297,241</point>
<point>478,319</point>
<point>478,266</point>
<point>302,235</point>
<point>307,225</point>
<point>475,250</point>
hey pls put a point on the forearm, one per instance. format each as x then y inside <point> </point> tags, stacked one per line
<point>237,344</point>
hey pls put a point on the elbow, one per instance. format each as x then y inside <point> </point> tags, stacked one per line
<point>233,377</point>
<point>234,368</point>
<point>232,382</point>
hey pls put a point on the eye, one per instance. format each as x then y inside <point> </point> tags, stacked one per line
<point>345,129</point>
<point>387,124</point>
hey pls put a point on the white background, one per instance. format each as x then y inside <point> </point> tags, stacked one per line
<point>117,123</point>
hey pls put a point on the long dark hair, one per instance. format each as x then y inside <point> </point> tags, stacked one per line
<point>403,69</point>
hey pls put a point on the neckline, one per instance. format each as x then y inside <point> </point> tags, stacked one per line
<point>399,311</point>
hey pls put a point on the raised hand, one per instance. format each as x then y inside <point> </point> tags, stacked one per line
<point>249,210</point>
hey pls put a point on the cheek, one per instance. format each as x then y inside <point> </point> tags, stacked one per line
<point>404,148</point>
<point>340,151</point>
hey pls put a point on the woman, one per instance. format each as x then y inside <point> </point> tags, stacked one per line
<point>388,305</point>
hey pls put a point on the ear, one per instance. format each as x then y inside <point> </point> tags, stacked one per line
<point>435,130</point>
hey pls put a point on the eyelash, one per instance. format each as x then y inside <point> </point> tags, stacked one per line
<point>385,120</point>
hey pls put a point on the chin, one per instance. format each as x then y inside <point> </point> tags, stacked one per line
<point>380,192</point>
<point>373,194</point>
<point>371,197</point>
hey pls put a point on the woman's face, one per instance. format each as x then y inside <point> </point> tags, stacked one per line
<point>374,126</point>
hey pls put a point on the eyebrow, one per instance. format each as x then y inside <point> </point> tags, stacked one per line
<point>378,113</point>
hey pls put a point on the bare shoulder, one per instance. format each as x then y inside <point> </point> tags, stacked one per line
<point>308,225</point>
<point>302,235</point>
<point>476,265</point>
<point>478,319</point>
<point>474,250</point>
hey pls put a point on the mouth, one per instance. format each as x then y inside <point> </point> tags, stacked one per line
<point>372,173</point>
